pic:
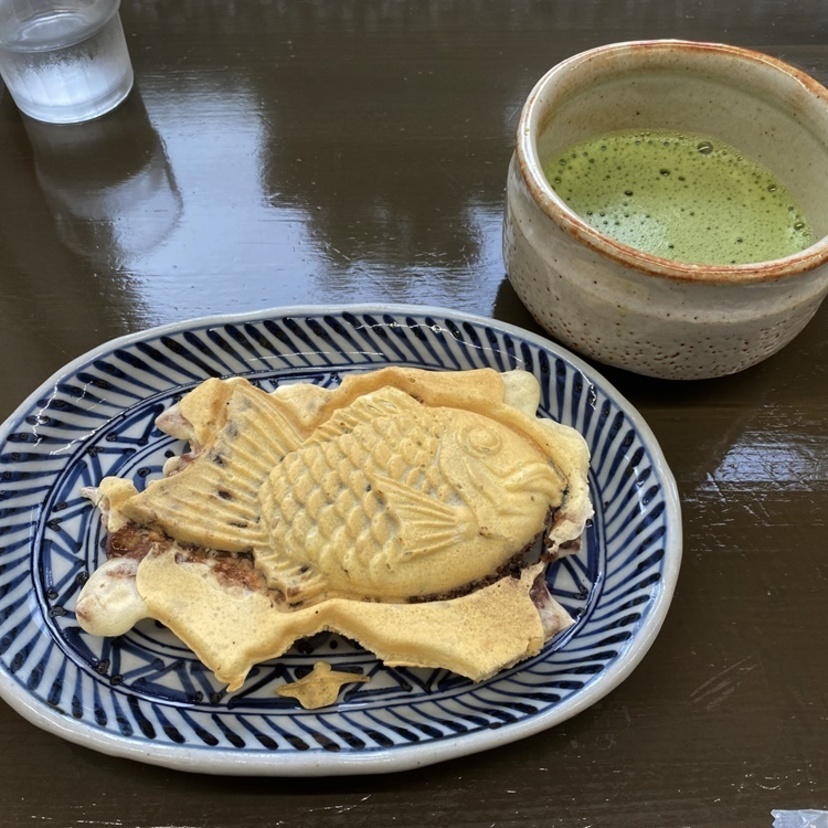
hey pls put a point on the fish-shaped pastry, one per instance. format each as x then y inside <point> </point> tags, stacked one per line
<point>387,498</point>
<point>390,499</point>
<point>400,486</point>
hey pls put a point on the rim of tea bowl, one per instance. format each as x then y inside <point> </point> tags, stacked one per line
<point>772,112</point>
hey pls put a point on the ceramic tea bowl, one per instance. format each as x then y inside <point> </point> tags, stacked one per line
<point>653,315</point>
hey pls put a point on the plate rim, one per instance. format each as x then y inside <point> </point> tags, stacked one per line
<point>380,759</point>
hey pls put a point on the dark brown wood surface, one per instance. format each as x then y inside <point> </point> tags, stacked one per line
<point>337,152</point>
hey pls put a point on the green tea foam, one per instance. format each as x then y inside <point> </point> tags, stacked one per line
<point>680,196</point>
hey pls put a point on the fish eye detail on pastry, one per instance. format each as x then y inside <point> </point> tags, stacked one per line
<point>381,509</point>
<point>482,441</point>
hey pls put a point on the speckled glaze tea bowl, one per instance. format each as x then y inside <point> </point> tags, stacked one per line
<point>648,314</point>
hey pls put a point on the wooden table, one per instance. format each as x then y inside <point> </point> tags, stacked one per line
<point>339,152</point>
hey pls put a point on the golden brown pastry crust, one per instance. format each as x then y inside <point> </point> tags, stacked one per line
<point>356,506</point>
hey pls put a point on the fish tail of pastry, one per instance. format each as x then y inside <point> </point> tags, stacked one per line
<point>213,501</point>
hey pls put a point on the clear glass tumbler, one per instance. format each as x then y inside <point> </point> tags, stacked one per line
<point>64,61</point>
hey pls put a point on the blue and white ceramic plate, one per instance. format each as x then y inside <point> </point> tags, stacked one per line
<point>144,696</point>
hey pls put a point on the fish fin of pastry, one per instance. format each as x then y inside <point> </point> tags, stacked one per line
<point>297,582</point>
<point>430,525</point>
<point>213,501</point>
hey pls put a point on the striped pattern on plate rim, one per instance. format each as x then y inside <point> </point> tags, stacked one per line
<point>144,694</point>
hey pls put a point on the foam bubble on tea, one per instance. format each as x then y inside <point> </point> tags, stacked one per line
<point>680,196</point>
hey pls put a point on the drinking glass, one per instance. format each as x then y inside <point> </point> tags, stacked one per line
<point>64,61</point>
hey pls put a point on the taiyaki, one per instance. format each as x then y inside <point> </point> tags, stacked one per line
<point>307,507</point>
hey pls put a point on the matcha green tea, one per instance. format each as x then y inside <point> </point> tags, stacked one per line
<point>679,196</point>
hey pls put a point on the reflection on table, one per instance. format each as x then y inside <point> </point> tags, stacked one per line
<point>108,183</point>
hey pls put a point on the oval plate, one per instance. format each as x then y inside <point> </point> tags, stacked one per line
<point>144,696</point>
